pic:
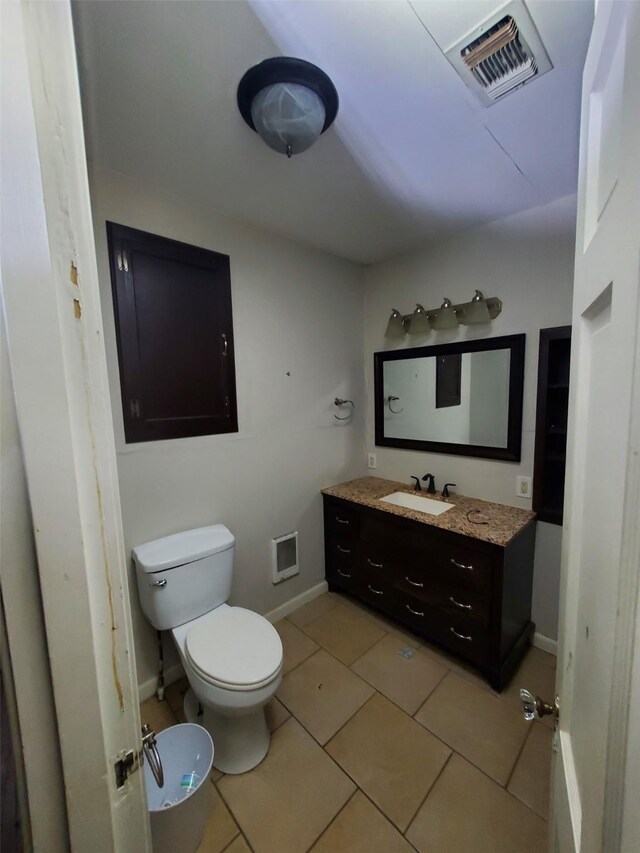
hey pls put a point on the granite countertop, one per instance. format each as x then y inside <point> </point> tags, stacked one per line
<point>502,522</point>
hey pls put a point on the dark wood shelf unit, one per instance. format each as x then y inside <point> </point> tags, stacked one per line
<point>551,423</point>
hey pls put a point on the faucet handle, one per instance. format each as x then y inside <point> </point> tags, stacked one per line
<point>445,491</point>
<point>417,487</point>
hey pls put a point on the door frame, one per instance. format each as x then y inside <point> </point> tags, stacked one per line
<point>58,365</point>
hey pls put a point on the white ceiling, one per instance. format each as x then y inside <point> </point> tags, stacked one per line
<point>412,155</point>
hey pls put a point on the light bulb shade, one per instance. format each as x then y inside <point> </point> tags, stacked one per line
<point>395,326</point>
<point>288,117</point>
<point>419,322</point>
<point>476,311</point>
<point>288,101</point>
<point>445,317</point>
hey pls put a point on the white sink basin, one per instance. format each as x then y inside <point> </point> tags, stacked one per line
<point>427,505</point>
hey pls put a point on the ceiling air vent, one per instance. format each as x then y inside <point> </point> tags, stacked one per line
<point>502,54</point>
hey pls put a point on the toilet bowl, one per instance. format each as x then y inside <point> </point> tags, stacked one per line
<point>232,656</point>
<point>233,661</point>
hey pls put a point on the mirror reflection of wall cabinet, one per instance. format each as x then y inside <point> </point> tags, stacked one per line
<point>463,398</point>
<point>551,423</point>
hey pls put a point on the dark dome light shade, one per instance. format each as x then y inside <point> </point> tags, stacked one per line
<point>289,102</point>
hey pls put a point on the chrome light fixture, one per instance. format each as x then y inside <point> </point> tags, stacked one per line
<point>476,311</point>
<point>445,317</point>
<point>448,316</point>
<point>288,102</point>
<point>418,322</point>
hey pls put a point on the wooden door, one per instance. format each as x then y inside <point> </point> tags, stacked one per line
<point>595,807</point>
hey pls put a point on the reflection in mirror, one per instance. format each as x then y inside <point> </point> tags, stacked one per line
<point>454,398</point>
<point>463,398</point>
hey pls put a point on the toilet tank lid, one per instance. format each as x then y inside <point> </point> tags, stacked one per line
<point>181,548</point>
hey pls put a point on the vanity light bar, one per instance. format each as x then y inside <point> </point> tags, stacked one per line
<point>466,313</point>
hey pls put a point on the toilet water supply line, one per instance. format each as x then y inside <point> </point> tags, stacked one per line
<point>160,690</point>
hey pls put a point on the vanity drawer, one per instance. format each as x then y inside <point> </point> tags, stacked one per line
<point>377,588</point>
<point>467,638</point>
<point>342,524</point>
<point>341,563</point>
<point>465,567</point>
<point>387,537</point>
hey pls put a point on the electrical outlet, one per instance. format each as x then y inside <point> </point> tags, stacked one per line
<point>372,460</point>
<point>523,487</point>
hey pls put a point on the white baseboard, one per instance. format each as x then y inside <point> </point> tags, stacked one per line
<point>148,688</point>
<point>293,604</point>
<point>545,643</point>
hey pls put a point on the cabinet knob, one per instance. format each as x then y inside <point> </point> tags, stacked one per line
<point>534,705</point>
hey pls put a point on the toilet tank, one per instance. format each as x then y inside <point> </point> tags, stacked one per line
<point>183,576</point>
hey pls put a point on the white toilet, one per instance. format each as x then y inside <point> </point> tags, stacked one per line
<point>232,656</point>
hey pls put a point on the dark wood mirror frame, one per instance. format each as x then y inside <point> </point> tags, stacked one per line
<point>510,453</point>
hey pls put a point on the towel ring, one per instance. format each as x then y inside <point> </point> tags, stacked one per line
<point>339,402</point>
<point>391,399</point>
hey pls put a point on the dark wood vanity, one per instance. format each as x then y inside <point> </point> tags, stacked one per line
<point>461,580</point>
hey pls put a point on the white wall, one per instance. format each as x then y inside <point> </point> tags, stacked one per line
<point>298,325</point>
<point>527,261</point>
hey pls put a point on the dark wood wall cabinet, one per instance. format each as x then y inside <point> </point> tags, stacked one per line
<point>174,331</point>
<point>551,423</point>
<point>469,596</point>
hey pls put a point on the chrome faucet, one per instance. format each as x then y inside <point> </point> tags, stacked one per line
<point>431,487</point>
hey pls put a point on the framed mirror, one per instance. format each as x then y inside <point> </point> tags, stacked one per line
<point>463,398</point>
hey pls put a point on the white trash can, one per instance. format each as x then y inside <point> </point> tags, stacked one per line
<point>179,810</point>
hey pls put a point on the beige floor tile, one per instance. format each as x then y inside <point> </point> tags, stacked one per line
<point>536,673</point>
<point>313,610</point>
<point>392,758</point>
<point>487,731</point>
<point>296,645</point>
<point>276,714</point>
<point>360,828</point>
<point>157,715</point>
<point>175,693</point>
<point>216,774</point>
<point>345,633</point>
<point>323,694</point>
<point>456,665</point>
<point>531,779</point>
<point>467,811</point>
<point>407,681</point>
<point>238,846</point>
<point>284,803</point>
<point>221,828</point>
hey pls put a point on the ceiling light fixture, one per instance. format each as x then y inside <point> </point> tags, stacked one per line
<point>288,102</point>
<point>448,316</point>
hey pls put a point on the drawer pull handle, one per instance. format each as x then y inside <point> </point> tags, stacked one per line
<point>375,591</point>
<point>415,612</point>
<point>461,636</point>
<point>344,550</point>
<point>343,574</point>
<point>414,583</point>
<point>453,562</point>
<point>342,520</point>
<point>460,604</point>
<point>375,565</point>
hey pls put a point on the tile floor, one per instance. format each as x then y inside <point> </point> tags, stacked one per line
<point>382,744</point>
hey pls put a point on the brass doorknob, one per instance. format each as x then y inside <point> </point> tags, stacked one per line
<point>534,705</point>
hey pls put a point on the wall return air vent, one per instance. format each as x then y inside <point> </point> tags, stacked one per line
<point>502,54</point>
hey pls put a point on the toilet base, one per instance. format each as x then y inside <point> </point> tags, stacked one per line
<point>240,742</point>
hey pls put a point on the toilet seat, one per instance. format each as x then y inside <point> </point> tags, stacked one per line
<point>234,648</point>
